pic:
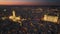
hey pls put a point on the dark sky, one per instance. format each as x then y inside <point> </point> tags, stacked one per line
<point>29,2</point>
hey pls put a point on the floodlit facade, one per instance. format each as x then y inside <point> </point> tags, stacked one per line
<point>50,18</point>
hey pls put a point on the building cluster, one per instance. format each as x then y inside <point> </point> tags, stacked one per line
<point>34,23</point>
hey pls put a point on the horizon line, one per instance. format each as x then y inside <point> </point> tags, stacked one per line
<point>29,3</point>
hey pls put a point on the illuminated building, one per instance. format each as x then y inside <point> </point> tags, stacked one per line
<point>14,17</point>
<point>51,17</point>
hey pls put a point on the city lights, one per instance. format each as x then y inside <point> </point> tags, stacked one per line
<point>4,18</point>
<point>50,18</point>
<point>14,18</point>
<point>29,20</point>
